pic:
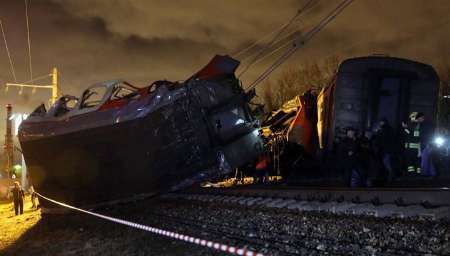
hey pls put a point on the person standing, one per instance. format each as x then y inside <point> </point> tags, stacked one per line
<point>349,154</point>
<point>367,159</point>
<point>412,144</point>
<point>385,148</point>
<point>426,130</point>
<point>18,196</point>
<point>33,197</point>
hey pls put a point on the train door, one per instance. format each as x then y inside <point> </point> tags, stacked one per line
<point>388,101</point>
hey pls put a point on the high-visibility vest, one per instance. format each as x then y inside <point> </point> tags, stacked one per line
<point>412,145</point>
<point>414,140</point>
<point>417,131</point>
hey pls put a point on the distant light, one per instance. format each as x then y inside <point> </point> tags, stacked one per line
<point>18,119</point>
<point>439,141</point>
<point>239,121</point>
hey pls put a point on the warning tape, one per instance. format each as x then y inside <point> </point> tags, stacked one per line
<point>174,235</point>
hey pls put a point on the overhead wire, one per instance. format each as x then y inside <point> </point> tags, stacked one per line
<point>275,50</point>
<point>11,64</point>
<point>255,44</point>
<point>29,40</point>
<point>297,44</point>
<point>252,45</point>
<point>37,78</point>
<point>308,5</point>
<point>262,39</point>
<point>328,19</point>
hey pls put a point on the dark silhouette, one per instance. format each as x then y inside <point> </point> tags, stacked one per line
<point>385,144</point>
<point>18,196</point>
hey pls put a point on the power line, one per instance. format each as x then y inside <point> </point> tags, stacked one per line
<point>275,43</point>
<point>260,53</point>
<point>246,49</point>
<point>37,78</point>
<point>297,44</point>
<point>282,27</point>
<point>11,64</point>
<point>28,36</point>
<point>283,45</point>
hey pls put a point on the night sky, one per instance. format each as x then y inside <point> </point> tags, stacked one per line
<point>146,40</point>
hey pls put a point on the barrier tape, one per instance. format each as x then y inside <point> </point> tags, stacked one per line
<point>174,235</point>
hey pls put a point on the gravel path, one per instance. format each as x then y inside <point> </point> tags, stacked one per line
<point>273,232</point>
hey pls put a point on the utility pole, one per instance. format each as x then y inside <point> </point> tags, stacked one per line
<point>53,86</point>
<point>9,144</point>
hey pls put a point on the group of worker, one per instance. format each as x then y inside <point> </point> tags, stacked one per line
<point>381,155</point>
<point>18,195</point>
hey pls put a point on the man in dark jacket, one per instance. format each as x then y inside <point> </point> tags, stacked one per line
<point>18,196</point>
<point>349,151</point>
<point>368,159</point>
<point>385,146</point>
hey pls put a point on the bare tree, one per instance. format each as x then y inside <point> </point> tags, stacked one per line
<point>296,79</point>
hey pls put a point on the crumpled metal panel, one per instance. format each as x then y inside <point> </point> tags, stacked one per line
<point>177,135</point>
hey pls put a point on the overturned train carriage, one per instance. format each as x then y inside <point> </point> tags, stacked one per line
<point>368,89</point>
<point>118,140</point>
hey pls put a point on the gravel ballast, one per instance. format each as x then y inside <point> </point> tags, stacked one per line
<point>270,231</point>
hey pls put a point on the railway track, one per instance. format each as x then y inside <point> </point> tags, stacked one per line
<point>274,223</point>
<point>285,231</point>
<point>432,203</point>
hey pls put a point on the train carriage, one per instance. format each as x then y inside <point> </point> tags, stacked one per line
<point>368,89</point>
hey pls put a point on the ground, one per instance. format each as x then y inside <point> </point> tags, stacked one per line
<point>77,234</point>
<point>270,231</point>
<point>13,227</point>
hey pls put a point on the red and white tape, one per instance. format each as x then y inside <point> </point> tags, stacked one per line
<point>174,235</point>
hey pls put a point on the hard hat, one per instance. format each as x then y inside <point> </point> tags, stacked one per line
<point>413,116</point>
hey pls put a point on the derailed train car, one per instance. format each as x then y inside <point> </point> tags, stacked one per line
<point>118,140</point>
<point>368,89</point>
<point>364,91</point>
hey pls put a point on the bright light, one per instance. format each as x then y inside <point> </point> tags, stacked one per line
<point>17,118</point>
<point>239,121</point>
<point>439,141</point>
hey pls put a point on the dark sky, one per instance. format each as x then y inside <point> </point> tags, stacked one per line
<point>145,40</point>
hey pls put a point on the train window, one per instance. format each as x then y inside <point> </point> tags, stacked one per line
<point>93,97</point>
<point>39,111</point>
<point>65,104</point>
<point>125,92</point>
<point>240,116</point>
<point>152,88</point>
<point>71,102</point>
